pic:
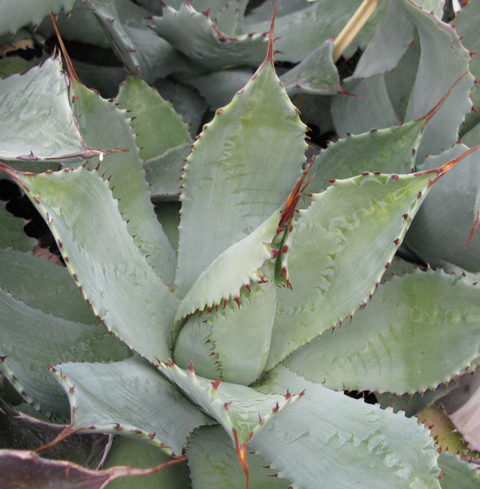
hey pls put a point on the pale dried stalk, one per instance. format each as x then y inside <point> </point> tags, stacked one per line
<point>360,17</point>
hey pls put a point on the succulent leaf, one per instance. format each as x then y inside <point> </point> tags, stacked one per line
<point>33,472</point>
<point>316,74</point>
<point>236,337</point>
<point>128,451</point>
<point>13,235</point>
<point>327,283</point>
<point>389,150</point>
<point>251,181</point>
<point>32,131</point>
<point>213,462</point>
<point>104,398</point>
<point>197,37</point>
<point>242,411</point>
<point>385,451</point>
<point>126,174</point>
<point>158,126</point>
<point>405,314</point>
<point>25,330</point>
<point>25,277</point>
<point>115,278</point>
<point>163,173</point>
<point>458,474</point>
<point>237,266</point>
<point>145,54</point>
<point>305,29</point>
<point>32,11</point>
<point>457,193</point>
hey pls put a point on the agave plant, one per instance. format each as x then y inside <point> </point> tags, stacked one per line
<point>233,360</point>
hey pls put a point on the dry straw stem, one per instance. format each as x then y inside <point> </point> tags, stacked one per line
<point>353,27</point>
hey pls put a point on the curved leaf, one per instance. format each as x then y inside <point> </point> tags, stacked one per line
<point>114,277</point>
<point>214,464</point>
<point>158,127</point>
<point>103,125</point>
<point>366,216</point>
<point>129,398</point>
<point>395,343</point>
<point>195,35</point>
<point>250,180</point>
<point>243,412</point>
<point>31,339</point>
<point>310,441</point>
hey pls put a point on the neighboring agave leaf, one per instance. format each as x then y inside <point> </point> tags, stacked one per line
<point>32,11</point>
<point>163,173</point>
<point>263,12</point>
<point>219,87</point>
<point>443,60</point>
<point>158,127</point>
<point>32,339</point>
<point>389,150</point>
<point>237,266</point>
<point>443,431</point>
<point>14,65</point>
<point>22,432</point>
<point>370,109</point>
<point>243,412</point>
<point>382,449</point>
<point>72,26</point>
<point>13,236</point>
<point>214,463</point>
<point>43,285</point>
<point>129,398</point>
<point>457,474</point>
<point>114,277</point>
<point>186,100</point>
<point>413,404</point>
<point>441,229</point>
<point>467,28</point>
<point>393,36</point>
<point>197,37</point>
<point>126,451</point>
<point>20,468</point>
<point>140,49</point>
<point>384,348</point>
<point>125,172</point>
<point>251,180</point>
<point>168,214</point>
<point>236,337</point>
<point>316,74</point>
<point>301,32</point>
<point>36,118</point>
<point>366,215</point>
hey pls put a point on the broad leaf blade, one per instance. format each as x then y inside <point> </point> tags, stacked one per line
<point>364,216</point>
<point>214,463</point>
<point>13,236</point>
<point>241,411</point>
<point>36,118</point>
<point>232,342</point>
<point>129,398</point>
<point>382,449</point>
<point>250,180</point>
<point>26,277</point>
<point>103,125</point>
<point>115,278</point>
<point>195,35</point>
<point>32,339</point>
<point>389,150</point>
<point>396,342</point>
<point>32,11</point>
<point>158,127</point>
